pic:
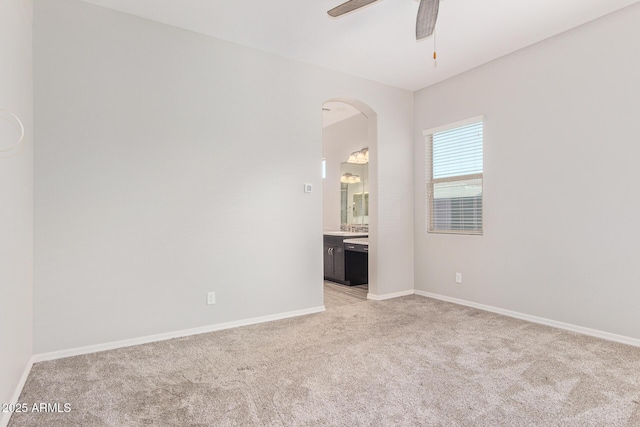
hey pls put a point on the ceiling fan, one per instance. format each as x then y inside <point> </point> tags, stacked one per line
<point>425,23</point>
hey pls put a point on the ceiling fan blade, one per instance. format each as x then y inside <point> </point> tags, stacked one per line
<point>348,7</point>
<point>427,16</point>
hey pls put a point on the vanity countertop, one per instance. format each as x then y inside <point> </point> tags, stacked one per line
<point>360,241</point>
<point>346,234</point>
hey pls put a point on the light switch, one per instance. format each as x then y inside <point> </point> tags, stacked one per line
<point>308,188</point>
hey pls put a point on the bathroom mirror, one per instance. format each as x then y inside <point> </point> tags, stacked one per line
<point>354,193</point>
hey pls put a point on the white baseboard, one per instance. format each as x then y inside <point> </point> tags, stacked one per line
<point>389,296</point>
<point>170,335</point>
<point>6,416</point>
<point>535,319</point>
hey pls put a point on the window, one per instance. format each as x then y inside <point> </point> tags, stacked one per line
<point>454,173</point>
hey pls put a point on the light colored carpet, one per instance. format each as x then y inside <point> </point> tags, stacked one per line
<point>408,361</point>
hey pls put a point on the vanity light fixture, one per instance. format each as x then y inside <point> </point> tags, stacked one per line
<point>359,157</point>
<point>348,178</point>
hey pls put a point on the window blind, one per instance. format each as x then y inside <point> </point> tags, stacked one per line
<point>455,187</point>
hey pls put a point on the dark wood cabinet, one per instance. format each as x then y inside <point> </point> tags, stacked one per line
<point>345,263</point>
<point>334,262</point>
<point>328,262</point>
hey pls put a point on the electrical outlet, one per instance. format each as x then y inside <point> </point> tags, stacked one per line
<point>458,277</point>
<point>211,298</point>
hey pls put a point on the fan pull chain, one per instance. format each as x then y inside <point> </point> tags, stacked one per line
<point>435,55</point>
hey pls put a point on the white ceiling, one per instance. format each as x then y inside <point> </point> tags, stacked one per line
<point>378,41</point>
<point>334,112</point>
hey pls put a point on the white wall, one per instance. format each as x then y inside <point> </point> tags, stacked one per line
<point>139,210</point>
<point>339,140</point>
<point>16,198</point>
<point>561,237</point>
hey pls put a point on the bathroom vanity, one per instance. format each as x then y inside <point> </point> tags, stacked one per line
<point>343,262</point>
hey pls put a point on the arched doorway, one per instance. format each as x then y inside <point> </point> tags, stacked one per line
<point>350,127</point>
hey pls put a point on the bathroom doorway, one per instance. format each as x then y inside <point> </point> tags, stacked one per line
<point>349,148</point>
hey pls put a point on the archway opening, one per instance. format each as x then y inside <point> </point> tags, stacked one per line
<point>350,195</point>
